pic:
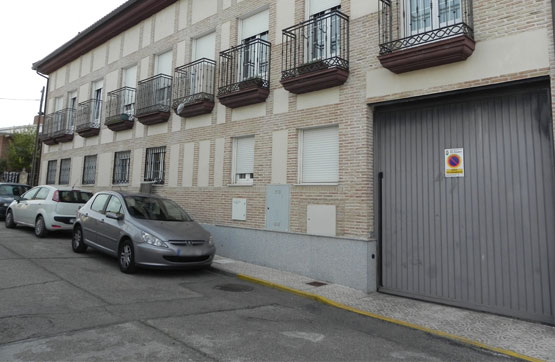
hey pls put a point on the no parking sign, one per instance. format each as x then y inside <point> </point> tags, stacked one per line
<point>454,162</point>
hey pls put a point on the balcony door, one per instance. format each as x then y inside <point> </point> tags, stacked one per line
<point>425,15</point>
<point>323,40</point>
<point>201,76</point>
<point>163,65</point>
<point>253,61</point>
<point>58,105</point>
<point>97,97</point>
<point>128,101</point>
<point>72,105</point>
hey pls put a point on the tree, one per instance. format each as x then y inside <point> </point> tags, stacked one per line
<point>20,149</point>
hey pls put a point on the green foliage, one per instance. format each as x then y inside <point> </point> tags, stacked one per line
<point>20,149</point>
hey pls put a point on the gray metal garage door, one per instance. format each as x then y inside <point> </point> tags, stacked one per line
<point>484,241</point>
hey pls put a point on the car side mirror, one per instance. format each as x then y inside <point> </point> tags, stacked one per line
<point>17,198</point>
<point>113,215</point>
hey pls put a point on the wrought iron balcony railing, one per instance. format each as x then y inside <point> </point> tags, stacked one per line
<point>121,109</point>
<point>408,23</point>
<point>88,119</point>
<point>63,125</point>
<point>416,34</point>
<point>316,45</point>
<point>245,73</point>
<point>153,99</point>
<point>193,88</point>
<point>47,132</point>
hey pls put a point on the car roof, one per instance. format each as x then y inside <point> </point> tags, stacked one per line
<point>63,188</point>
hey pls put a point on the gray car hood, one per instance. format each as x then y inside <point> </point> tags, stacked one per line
<point>173,230</point>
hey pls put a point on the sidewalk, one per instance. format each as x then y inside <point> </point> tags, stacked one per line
<point>529,341</point>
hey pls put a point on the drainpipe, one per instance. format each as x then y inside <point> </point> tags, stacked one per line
<point>553,19</point>
<point>35,166</point>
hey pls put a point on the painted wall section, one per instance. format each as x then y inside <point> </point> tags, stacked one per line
<point>318,99</point>
<point>220,113</point>
<point>99,57</point>
<point>164,23</point>
<point>76,171</point>
<point>74,69</point>
<point>360,8</point>
<point>188,164</point>
<point>124,135</point>
<point>157,129</point>
<point>203,163</point>
<point>84,92</point>
<point>106,136</point>
<point>136,177</point>
<point>491,58</point>
<point>224,35</point>
<point>111,83</point>
<point>180,54</point>
<point>61,77</point>
<point>279,157</point>
<point>285,17</point>
<point>145,69</point>
<point>183,14</point>
<point>248,112</point>
<point>147,33</point>
<point>103,166</point>
<point>131,40</point>
<point>175,122</point>
<point>219,162</point>
<point>281,101</point>
<point>174,165</point>
<point>202,9</point>
<point>86,61</point>
<point>198,121</point>
<point>114,49</point>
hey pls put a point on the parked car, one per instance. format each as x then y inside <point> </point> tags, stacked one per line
<point>142,230</point>
<point>8,193</point>
<point>46,208</point>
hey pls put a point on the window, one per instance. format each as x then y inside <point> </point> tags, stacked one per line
<point>325,35</point>
<point>114,205</point>
<point>99,203</point>
<point>58,117</point>
<point>51,172</point>
<point>89,170</point>
<point>97,97</point>
<point>12,190</point>
<point>65,167</point>
<point>30,194</point>
<point>154,164</point>
<point>122,161</point>
<point>202,75</point>
<point>243,160</point>
<point>163,65</point>
<point>319,155</point>
<point>42,194</point>
<point>72,105</point>
<point>255,57</point>
<point>426,15</point>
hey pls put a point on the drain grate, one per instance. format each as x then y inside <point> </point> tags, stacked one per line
<point>316,284</point>
<point>236,288</point>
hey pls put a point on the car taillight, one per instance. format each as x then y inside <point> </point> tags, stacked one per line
<point>56,196</point>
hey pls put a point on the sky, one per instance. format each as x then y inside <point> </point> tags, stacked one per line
<point>29,31</point>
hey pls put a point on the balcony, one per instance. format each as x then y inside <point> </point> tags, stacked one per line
<point>121,109</point>
<point>193,88</point>
<point>315,54</point>
<point>63,125</point>
<point>47,132</point>
<point>437,32</point>
<point>245,74</point>
<point>153,99</point>
<point>88,118</point>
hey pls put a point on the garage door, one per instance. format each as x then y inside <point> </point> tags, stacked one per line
<point>486,240</point>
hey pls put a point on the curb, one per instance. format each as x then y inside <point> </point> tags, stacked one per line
<point>434,332</point>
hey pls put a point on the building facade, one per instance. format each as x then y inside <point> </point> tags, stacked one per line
<point>404,146</point>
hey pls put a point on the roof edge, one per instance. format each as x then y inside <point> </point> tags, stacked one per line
<point>119,20</point>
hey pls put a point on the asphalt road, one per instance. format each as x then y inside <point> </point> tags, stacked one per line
<point>56,305</point>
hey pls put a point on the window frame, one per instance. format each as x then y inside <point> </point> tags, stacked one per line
<point>66,180</point>
<point>301,163</point>
<point>249,177</point>
<point>150,170</point>
<point>125,179</point>
<point>51,173</point>
<point>83,180</point>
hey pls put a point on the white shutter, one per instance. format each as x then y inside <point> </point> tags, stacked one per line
<point>254,25</point>
<point>320,155</point>
<point>245,155</point>
<point>163,63</point>
<point>317,6</point>
<point>205,47</point>
<point>130,77</point>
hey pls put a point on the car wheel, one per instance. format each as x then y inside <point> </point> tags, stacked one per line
<point>127,257</point>
<point>77,243</point>
<point>10,223</point>
<point>40,227</point>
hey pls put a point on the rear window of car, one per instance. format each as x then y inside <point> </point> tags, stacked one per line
<point>74,196</point>
<point>13,190</point>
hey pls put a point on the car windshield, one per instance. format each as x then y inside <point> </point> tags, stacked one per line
<point>13,190</point>
<point>154,208</point>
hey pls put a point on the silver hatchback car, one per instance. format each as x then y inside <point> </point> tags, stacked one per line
<point>142,230</point>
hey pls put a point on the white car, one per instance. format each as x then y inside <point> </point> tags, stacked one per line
<point>47,208</point>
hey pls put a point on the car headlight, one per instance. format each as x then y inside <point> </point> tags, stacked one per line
<point>6,204</point>
<point>152,240</point>
<point>210,241</point>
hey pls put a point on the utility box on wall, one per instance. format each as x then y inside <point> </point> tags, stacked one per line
<point>239,209</point>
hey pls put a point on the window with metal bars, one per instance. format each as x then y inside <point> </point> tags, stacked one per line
<point>122,162</point>
<point>154,164</point>
<point>51,172</point>
<point>65,168</point>
<point>89,170</point>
